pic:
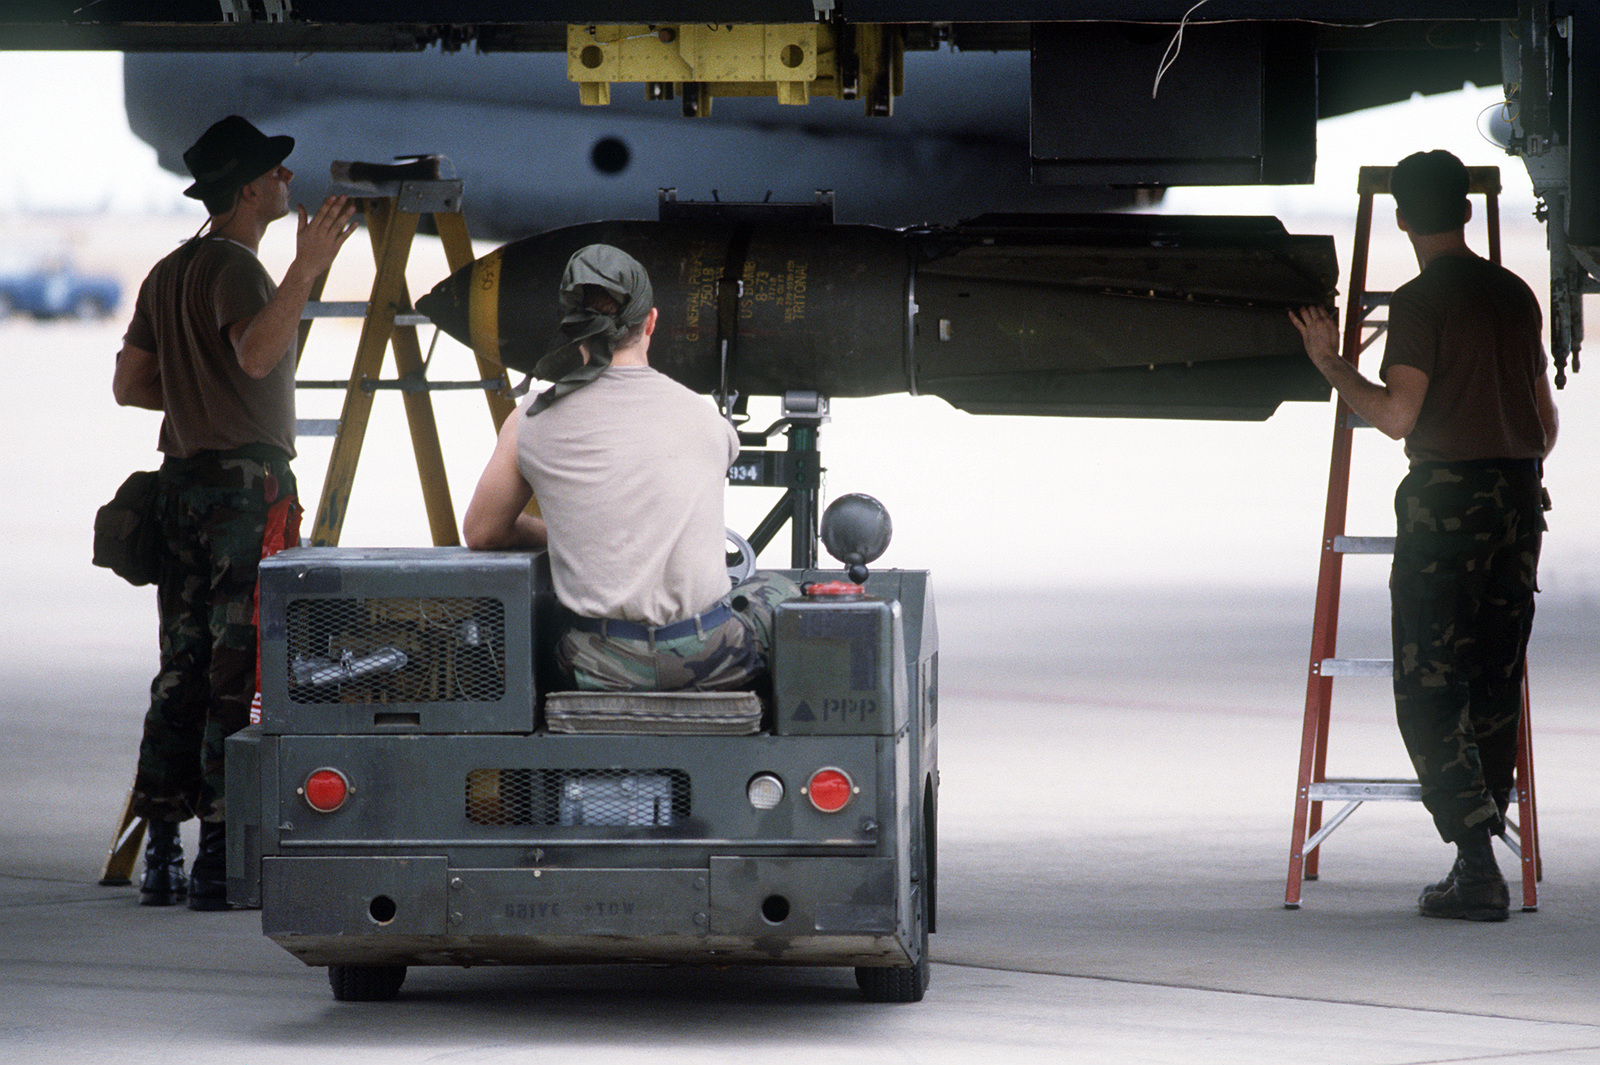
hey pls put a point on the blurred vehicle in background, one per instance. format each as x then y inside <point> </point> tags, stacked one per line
<point>52,287</point>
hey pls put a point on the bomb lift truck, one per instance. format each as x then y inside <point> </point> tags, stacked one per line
<point>420,792</point>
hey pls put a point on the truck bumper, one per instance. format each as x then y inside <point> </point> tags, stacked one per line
<point>419,911</point>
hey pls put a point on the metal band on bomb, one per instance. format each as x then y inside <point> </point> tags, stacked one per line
<point>483,307</point>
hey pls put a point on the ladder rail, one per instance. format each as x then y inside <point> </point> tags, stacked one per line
<point>1325,615</point>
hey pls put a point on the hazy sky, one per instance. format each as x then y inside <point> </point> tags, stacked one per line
<point>67,142</point>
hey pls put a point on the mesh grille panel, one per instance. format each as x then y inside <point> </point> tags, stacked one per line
<point>402,650</point>
<point>572,797</point>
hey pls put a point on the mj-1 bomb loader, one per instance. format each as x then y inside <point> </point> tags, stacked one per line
<point>417,794</point>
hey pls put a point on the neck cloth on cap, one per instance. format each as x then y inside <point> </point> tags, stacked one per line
<point>597,331</point>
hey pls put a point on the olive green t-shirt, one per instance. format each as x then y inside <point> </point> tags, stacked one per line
<point>1475,329</point>
<point>184,310</point>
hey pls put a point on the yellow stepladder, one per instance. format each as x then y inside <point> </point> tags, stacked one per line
<point>393,201</point>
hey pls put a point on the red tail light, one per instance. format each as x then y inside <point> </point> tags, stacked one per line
<point>830,790</point>
<point>326,790</point>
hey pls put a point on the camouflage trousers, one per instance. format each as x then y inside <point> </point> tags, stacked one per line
<point>213,518</point>
<point>724,656</point>
<point>1461,598</point>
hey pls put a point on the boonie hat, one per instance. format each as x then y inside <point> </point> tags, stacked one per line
<point>230,155</point>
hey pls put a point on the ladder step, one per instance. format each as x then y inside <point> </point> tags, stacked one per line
<point>1357,667</point>
<point>1358,790</point>
<point>1364,545</point>
<point>316,427</point>
<point>354,309</point>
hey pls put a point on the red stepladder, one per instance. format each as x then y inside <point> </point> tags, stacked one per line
<point>1361,330</point>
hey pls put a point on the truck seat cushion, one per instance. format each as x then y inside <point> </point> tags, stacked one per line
<point>654,713</point>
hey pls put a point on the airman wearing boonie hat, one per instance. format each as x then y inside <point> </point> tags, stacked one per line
<point>209,347</point>
<point>229,155</point>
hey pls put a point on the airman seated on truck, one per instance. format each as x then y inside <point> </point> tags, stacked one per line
<point>629,469</point>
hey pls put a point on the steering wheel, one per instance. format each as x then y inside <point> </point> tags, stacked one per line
<point>741,559</point>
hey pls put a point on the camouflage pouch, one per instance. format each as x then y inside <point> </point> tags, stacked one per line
<point>127,531</point>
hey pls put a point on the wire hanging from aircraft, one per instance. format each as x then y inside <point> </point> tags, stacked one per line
<point>1174,46</point>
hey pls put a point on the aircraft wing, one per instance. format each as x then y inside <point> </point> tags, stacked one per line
<point>1097,103</point>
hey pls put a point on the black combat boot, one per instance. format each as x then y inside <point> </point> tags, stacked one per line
<point>1449,878</point>
<point>163,882</point>
<point>208,880</point>
<point>1474,890</point>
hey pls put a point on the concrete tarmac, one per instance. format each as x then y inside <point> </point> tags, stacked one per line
<point>1117,789</point>
<point>1118,774</point>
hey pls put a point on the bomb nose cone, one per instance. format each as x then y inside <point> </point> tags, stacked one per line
<point>446,305</point>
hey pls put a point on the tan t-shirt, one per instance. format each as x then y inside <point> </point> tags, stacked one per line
<point>629,472</point>
<point>185,307</point>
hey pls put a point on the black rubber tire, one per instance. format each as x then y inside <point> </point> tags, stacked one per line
<point>903,983</point>
<point>366,983</point>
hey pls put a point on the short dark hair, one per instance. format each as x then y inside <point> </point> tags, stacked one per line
<point>598,298</point>
<point>1430,190</point>
<point>218,204</point>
